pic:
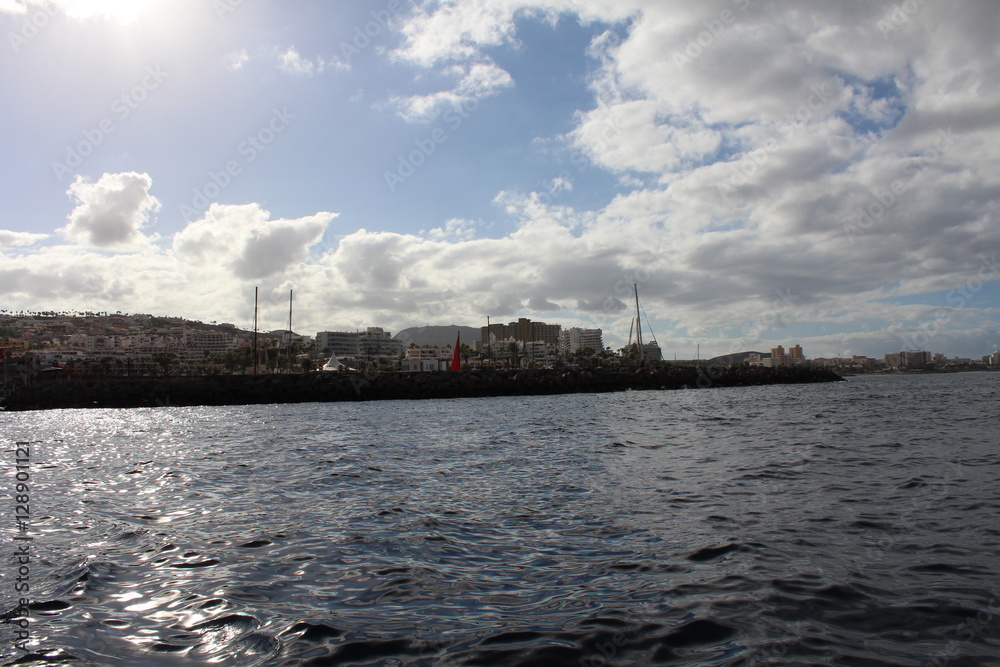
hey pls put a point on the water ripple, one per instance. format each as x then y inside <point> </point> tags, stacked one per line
<point>829,524</point>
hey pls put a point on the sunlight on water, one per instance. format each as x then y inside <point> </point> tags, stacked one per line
<point>761,525</point>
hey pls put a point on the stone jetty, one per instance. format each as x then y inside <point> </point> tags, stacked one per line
<point>321,387</point>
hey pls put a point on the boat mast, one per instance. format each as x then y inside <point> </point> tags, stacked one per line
<point>290,331</point>
<point>256,358</point>
<point>638,325</point>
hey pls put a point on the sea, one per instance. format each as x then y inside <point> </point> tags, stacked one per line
<point>849,523</point>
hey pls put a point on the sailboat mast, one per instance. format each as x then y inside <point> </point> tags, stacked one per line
<point>290,330</point>
<point>638,325</point>
<point>256,358</point>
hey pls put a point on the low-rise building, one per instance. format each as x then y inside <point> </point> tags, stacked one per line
<point>214,342</point>
<point>372,344</point>
<point>434,353</point>
<point>424,365</point>
<point>14,344</point>
<point>539,353</point>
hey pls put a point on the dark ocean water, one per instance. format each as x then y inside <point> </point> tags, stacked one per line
<point>852,523</point>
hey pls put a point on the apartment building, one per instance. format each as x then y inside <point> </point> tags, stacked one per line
<point>575,338</point>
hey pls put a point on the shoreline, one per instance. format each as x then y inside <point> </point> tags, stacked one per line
<point>338,387</point>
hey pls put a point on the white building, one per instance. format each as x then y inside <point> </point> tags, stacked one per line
<point>46,358</point>
<point>575,338</point>
<point>425,365</point>
<point>430,353</point>
<point>341,343</point>
<point>373,343</point>
<point>539,353</point>
<point>651,352</point>
<point>215,342</point>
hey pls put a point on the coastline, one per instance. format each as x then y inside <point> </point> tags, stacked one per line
<point>336,387</point>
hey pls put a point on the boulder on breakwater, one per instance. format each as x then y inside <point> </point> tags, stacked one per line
<point>321,387</point>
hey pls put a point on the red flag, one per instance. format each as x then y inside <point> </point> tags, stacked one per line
<point>456,360</point>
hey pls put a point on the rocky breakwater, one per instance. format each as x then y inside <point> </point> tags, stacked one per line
<point>322,387</point>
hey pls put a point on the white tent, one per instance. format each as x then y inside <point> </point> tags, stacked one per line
<point>334,364</point>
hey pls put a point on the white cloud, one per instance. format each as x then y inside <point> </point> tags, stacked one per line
<point>123,11</point>
<point>455,229</point>
<point>112,212</point>
<point>10,239</point>
<point>457,30</point>
<point>290,61</point>
<point>764,130</point>
<point>788,154</point>
<point>237,59</point>
<point>476,81</point>
<point>556,258</point>
<point>13,7</point>
<point>244,239</point>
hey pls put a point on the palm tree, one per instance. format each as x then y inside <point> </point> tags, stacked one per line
<point>512,349</point>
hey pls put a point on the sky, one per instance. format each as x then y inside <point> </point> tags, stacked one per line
<point>762,171</point>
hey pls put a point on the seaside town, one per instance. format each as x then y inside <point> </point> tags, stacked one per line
<point>40,346</point>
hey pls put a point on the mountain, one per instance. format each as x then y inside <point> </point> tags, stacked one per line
<point>735,358</point>
<point>440,336</point>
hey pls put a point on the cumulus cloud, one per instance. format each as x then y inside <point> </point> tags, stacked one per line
<point>245,239</point>
<point>454,229</point>
<point>833,149</point>
<point>780,164</point>
<point>476,81</point>
<point>290,61</point>
<point>13,7</point>
<point>728,282</point>
<point>10,239</point>
<point>112,212</point>
<point>207,272</point>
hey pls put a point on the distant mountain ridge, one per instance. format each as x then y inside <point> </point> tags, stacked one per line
<point>440,336</point>
<point>735,358</point>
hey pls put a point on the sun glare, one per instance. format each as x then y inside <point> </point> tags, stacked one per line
<point>122,11</point>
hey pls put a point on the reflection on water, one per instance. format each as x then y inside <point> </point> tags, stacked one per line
<point>838,524</point>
